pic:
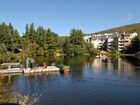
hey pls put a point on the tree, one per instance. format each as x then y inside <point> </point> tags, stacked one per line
<point>90,49</point>
<point>76,43</point>
<point>40,52</point>
<point>9,37</point>
<point>135,45</point>
<point>68,47</point>
<point>30,49</point>
<point>30,33</point>
<point>76,37</point>
<point>52,41</point>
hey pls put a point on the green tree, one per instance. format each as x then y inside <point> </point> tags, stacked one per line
<point>68,47</point>
<point>30,49</point>
<point>9,37</point>
<point>135,45</point>
<point>52,41</point>
<point>76,44</point>
<point>40,51</point>
<point>76,37</point>
<point>90,49</point>
<point>30,33</point>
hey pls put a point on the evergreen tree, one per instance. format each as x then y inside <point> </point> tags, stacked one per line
<point>76,42</point>
<point>9,37</point>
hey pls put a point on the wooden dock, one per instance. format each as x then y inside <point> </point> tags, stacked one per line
<point>15,68</point>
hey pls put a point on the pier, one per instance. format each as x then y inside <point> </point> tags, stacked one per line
<point>15,68</point>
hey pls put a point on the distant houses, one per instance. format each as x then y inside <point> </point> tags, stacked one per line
<point>110,41</point>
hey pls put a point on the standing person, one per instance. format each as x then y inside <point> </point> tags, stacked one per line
<point>32,63</point>
<point>27,63</point>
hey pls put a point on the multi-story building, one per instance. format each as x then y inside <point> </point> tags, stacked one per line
<point>123,41</point>
<point>97,40</point>
<point>110,41</point>
<point>87,38</point>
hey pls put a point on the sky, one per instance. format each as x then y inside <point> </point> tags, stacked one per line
<point>63,15</point>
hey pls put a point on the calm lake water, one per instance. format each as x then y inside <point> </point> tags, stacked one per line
<point>92,81</point>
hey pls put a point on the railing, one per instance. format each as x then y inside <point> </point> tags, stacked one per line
<point>10,64</point>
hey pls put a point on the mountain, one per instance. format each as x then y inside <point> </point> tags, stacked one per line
<point>127,28</point>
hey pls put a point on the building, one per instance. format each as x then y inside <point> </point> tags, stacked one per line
<point>123,40</point>
<point>110,41</point>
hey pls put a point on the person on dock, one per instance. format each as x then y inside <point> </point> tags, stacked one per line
<point>27,63</point>
<point>44,65</point>
<point>32,62</point>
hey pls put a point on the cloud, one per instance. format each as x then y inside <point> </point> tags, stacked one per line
<point>128,18</point>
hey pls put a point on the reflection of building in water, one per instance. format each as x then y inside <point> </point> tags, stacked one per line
<point>99,64</point>
<point>125,67</point>
<point>113,65</point>
<point>96,63</point>
<point>119,65</point>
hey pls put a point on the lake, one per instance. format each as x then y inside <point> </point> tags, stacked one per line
<point>92,81</point>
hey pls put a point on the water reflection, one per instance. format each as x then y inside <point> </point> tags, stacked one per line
<point>115,65</point>
<point>48,60</point>
<point>40,78</point>
<point>6,83</point>
<point>91,81</point>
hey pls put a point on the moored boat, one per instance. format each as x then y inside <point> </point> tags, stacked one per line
<point>65,69</point>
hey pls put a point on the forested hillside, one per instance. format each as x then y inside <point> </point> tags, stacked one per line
<point>127,28</point>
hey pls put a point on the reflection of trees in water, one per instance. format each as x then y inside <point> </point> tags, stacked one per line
<point>76,60</point>
<point>114,65</point>
<point>39,79</point>
<point>115,62</point>
<point>133,60</point>
<point>6,83</point>
<point>90,60</point>
<point>66,60</point>
<point>48,60</point>
<point>9,95</point>
<point>77,64</point>
<point>122,66</point>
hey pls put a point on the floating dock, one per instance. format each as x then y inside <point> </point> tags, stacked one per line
<point>40,69</point>
<point>15,68</point>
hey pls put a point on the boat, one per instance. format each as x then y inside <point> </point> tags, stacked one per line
<point>64,68</point>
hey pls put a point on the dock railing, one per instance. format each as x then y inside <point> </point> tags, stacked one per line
<point>10,65</point>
